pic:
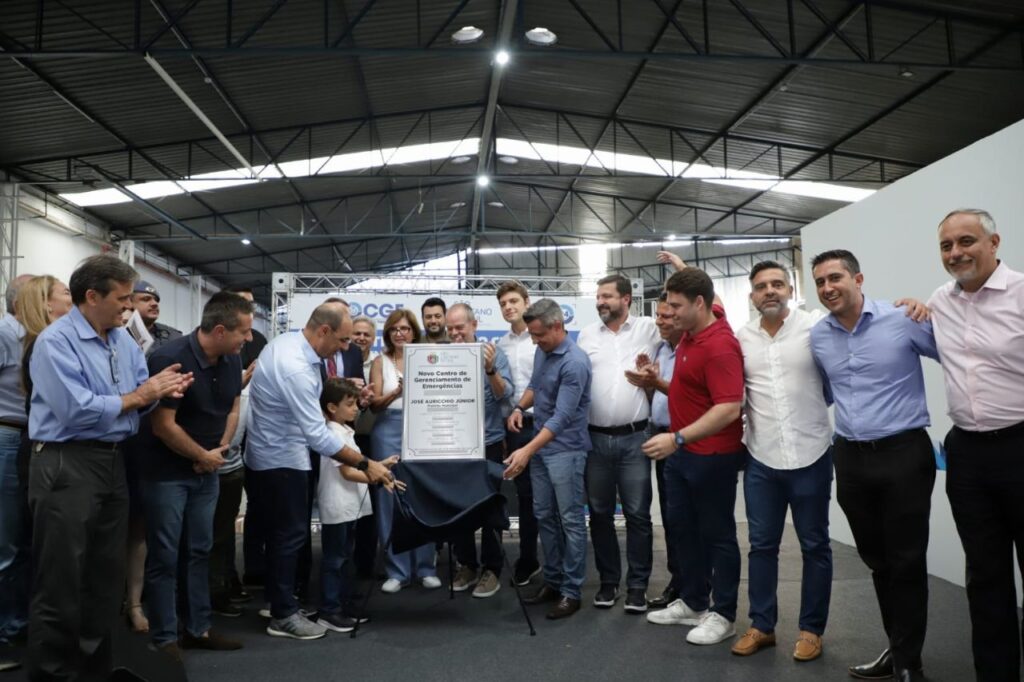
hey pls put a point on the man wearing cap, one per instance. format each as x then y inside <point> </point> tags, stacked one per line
<point>146,299</point>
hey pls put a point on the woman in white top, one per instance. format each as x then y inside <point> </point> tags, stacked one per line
<point>400,328</point>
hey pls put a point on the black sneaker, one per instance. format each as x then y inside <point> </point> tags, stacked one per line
<point>525,572</point>
<point>239,595</point>
<point>606,596</point>
<point>337,622</point>
<point>356,613</point>
<point>636,600</point>
<point>223,607</point>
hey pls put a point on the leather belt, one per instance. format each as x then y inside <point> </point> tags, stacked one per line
<point>881,443</point>
<point>623,430</point>
<point>995,434</point>
<point>13,425</point>
<point>91,443</point>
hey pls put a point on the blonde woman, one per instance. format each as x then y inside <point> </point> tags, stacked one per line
<point>400,328</point>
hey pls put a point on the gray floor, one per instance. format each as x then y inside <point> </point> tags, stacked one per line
<point>423,635</point>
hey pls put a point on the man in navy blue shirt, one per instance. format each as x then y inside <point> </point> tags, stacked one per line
<point>89,386</point>
<point>185,440</point>
<point>869,354</point>
<point>559,393</point>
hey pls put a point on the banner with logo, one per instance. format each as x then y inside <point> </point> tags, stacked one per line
<point>579,311</point>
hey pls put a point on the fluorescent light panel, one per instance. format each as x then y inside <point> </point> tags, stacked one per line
<point>436,151</point>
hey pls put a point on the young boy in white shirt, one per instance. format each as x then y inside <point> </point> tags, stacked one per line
<point>343,497</point>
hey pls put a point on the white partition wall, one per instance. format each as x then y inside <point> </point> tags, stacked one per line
<point>893,233</point>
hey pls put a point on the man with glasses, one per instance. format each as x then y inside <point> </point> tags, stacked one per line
<point>90,384</point>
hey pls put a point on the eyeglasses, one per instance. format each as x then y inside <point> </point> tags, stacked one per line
<point>400,330</point>
<point>114,373</point>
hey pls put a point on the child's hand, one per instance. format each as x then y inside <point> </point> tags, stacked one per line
<point>390,461</point>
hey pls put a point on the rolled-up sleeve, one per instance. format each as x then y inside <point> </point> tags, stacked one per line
<point>572,381</point>
<point>58,379</point>
<point>302,395</point>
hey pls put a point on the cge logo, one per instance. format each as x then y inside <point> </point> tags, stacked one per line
<point>568,312</point>
<point>373,309</point>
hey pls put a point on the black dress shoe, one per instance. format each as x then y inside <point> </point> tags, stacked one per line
<point>543,595</point>
<point>878,669</point>
<point>667,597</point>
<point>908,675</point>
<point>564,608</point>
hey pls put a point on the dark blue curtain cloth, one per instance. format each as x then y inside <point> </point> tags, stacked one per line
<point>443,499</point>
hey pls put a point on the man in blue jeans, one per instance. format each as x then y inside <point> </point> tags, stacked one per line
<point>185,447</point>
<point>616,467</point>
<point>789,439</point>
<point>14,559</point>
<point>559,393</point>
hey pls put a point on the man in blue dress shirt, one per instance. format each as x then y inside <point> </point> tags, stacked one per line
<point>869,354</point>
<point>559,393</point>
<point>89,385</point>
<point>286,423</point>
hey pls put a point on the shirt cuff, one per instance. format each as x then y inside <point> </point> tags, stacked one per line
<point>110,412</point>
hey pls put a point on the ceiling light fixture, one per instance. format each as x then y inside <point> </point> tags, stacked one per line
<point>459,160</point>
<point>483,180</point>
<point>541,36</point>
<point>467,35</point>
<point>501,57</point>
<point>906,72</point>
<point>671,237</point>
<point>495,204</point>
<point>457,204</point>
<point>510,160</point>
<point>246,241</point>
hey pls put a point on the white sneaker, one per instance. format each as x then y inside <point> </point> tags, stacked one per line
<point>391,585</point>
<point>431,582</point>
<point>676,613</point>
<point>712,629</point>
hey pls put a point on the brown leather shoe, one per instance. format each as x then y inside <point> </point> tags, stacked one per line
<point>752,641</point>
<point>543,595</point>
<point>564,608</point>
<point>808,646</point>
<point>171,650</point>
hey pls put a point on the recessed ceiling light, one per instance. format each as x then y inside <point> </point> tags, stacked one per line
<point>467,35</point>
<point>501,57</point>
<point>906,72</point>
<point>495,204</point>
<point>483,180</point>
<point>459,160</point>
<point>510,160</point>
<point>246,241</point>
<point>541,36</point>
<point>457,204</point>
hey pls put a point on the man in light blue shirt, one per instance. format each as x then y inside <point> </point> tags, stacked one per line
<point>287,423</point>
<point>559,393</point>
<point>869,354</point>
<point>90,383</point>
<point>461,325</point>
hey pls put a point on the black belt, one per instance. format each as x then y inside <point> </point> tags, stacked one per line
<point>995,434</point>
<point>623,430</point>
<point>92,444</point>
<point>13,425</point>
<point>882,443</point>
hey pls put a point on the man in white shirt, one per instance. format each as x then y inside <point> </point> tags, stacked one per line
<point>619,414</point>
<point>788,436</point>
<point>520,350</point>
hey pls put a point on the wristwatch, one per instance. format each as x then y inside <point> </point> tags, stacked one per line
<point>363,465</point>
<point>490,372</point>
<point>680,441</point>
<point>517,407</point>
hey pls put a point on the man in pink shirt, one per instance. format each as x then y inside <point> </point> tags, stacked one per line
<point>979,328</point>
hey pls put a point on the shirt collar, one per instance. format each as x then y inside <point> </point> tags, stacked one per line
<point>197,350</point>
<point>563,347</point>
<point>665,345</point>
<point>997,280</point>
<point>307,350</point>
<point>626,324</point>
<point>870,309</point>
<point>82,326</point>
<point>11,321</point>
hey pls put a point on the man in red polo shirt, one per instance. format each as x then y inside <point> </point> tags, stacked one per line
<point>705,454</point>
